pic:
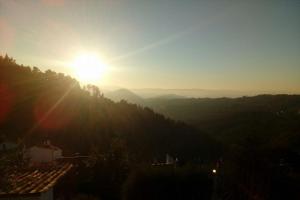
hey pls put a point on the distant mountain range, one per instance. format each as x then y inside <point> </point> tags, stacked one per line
<point>117,93</point>
<point>269,116</point>
<point>198,93</point>
<point>124,94</point>
<point>132,97</point>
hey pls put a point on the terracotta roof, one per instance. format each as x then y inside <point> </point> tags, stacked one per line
<point>34,181</point>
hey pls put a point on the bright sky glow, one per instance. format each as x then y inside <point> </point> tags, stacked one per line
<point>222,45</point>
<point>88,68</point>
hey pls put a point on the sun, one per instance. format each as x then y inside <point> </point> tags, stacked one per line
<point>88,68</point>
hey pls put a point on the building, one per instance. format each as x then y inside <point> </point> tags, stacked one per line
<point>39,179</point>
<point>43,153</point>
<point>170,161</point>
<point>33,183</point>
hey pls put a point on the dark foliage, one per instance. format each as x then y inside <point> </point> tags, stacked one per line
<point>168,183</point>
<point>261,136</point>
<point>272,119</point>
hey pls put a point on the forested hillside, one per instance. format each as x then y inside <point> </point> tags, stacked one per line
<point>272,119</point>
<point>261,135</point>
<point>39,105</point>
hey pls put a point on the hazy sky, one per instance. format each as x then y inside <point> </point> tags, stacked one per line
<point>238,45</point>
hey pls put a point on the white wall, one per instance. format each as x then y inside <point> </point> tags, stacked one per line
<point>37,154</point>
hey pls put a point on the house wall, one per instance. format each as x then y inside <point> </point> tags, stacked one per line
<point>57,154</point>
<point>37,154</point>
<point>40,154</point>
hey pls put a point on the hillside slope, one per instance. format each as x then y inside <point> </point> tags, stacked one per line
<point>273,119</point>
<point>37,105</point>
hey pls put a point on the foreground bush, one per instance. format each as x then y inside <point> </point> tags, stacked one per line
<point>168,183</point>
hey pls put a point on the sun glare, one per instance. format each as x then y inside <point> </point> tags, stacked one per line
<point>88,68</point>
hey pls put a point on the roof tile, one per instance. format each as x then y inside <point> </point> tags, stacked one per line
<point>36,180</point>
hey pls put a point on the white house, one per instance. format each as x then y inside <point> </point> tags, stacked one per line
<point>43,153</point>
<point>39,180</point>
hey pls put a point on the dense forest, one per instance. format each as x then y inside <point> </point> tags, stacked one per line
<point>253,142</point>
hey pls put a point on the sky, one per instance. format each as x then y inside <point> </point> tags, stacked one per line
<point>218,45</point>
